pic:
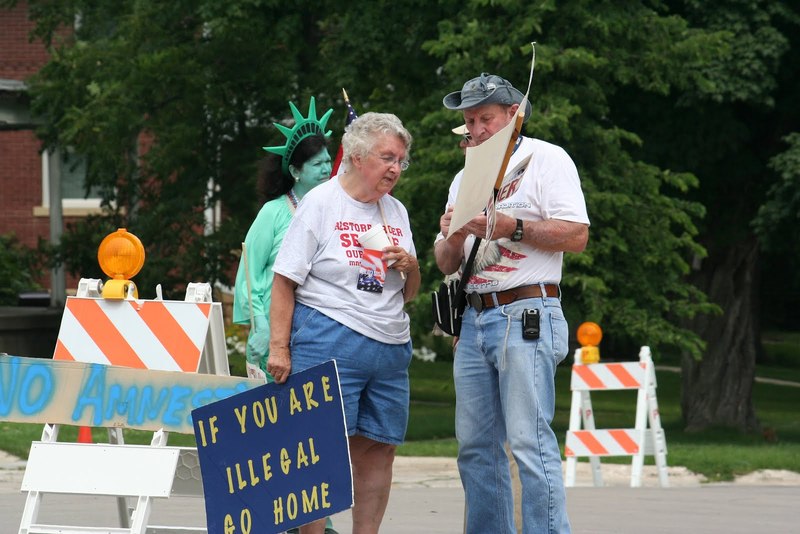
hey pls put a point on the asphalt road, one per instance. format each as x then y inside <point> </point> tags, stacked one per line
<point>427,498</point>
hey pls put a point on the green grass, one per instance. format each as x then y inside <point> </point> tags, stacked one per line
<point>782,349</point>
<point>718,454</point>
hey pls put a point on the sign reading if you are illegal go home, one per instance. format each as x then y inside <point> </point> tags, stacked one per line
<point>275,457</point>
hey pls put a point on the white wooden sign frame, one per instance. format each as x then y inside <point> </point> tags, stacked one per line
<point>145,473</point>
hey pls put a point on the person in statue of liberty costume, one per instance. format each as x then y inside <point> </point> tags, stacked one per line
<point>285,175</point>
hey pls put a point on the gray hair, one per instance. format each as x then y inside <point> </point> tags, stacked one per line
<point>361,135</point>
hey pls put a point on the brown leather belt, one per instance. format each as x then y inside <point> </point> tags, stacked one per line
<point>479,301</point>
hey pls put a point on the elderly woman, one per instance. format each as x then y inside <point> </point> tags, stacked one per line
<point>333,299</point>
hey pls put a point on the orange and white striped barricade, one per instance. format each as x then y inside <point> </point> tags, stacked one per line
<point>155,335</point>
<point>636,442</point>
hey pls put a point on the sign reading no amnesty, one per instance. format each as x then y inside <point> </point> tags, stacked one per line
<point>275,457</point>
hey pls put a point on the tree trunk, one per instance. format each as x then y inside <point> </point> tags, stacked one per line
<point>717,390</point>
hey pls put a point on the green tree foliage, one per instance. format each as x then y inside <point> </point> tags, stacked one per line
<point>670,110</point>
<point>162,99</point>
<point>725,131</point>
<point>631,279</point>
<point>782,207</point>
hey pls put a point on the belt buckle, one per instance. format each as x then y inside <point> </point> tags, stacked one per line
<point>475,301</point>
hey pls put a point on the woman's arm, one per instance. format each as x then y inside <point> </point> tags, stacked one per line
<point>281,310</point>
<point>413,281</point>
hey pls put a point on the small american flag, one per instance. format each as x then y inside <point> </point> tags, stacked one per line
<point>351,116</point>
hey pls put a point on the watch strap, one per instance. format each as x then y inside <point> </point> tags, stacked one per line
<point>518,233</point>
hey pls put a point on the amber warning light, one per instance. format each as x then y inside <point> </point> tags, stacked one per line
<point>121,256</point>
<point>589,336</point>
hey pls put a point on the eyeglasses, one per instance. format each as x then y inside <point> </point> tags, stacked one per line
<point>391,160</point>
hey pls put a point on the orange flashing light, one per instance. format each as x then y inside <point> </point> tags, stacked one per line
<point>121,257</point>
<point>589,336</point>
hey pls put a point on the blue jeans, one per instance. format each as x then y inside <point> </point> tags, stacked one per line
<point>505,391</point>
<point>373,376</point>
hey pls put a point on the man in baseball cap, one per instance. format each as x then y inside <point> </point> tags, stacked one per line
<point>513,332</point>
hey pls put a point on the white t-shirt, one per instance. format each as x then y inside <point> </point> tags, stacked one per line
<point>322,254</point>
<point>541,183</point>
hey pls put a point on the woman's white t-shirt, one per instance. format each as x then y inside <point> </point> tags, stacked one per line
<point>322,254</point>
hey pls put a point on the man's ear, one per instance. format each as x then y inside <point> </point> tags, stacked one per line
<point>512,109</point>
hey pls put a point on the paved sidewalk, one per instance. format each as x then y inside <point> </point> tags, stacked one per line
<point>427,499</point>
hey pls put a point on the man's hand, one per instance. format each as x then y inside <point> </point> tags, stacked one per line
<point>504,226</point>
<point>444,221</point>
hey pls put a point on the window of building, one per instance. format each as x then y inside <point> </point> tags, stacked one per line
<point>74,200</point>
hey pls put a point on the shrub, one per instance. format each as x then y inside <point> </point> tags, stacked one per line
<point>20,268</point>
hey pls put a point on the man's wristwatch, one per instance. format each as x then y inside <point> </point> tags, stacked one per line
<point>517,235</point>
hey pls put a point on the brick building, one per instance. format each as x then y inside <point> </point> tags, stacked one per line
<point>26,173</point>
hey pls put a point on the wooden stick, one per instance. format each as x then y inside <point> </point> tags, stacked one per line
<point>249,290</point>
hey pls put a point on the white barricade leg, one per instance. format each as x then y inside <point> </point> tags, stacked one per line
<point>587,414</point>
<point>141,515</point>
<point>654,418</point>
<point>33,501</point>
<point>581,412</point>
<point>637,465</point>
<point>569,480</point>
<point>115,437</point>
<point>30,513</point>
<point>637,462</point>
<point>574,424</point>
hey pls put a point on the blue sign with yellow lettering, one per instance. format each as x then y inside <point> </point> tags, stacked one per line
<point>275,457</point>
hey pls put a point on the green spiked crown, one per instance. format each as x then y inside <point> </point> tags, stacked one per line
<point>303,127</point>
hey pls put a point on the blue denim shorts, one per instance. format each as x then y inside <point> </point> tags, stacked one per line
<point>373,375</point>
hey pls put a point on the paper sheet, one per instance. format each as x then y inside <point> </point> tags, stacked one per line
<point>481,167</point>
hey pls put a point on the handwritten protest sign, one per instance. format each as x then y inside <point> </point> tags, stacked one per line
<point>275,457</point>
<point>35,390</point>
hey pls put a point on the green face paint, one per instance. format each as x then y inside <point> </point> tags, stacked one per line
<point>314,171</point>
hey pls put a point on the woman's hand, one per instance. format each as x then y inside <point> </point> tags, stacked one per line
<point>279,363</point>
<point>408,266</point>
<point>281,310</point>
<point>403,261</point>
